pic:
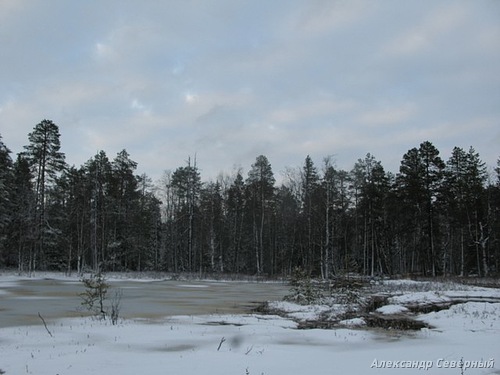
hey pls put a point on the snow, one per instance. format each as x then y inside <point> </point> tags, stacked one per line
<point>354,322</point>
<point>300,312</point>
<point>392,309</point>
<point>440,297</point>
<point>419,298</point>
<point>249,344</point>
<point>477,317</point>
<point>253,344</point>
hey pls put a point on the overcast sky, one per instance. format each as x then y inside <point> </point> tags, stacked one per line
<point>229,80</point>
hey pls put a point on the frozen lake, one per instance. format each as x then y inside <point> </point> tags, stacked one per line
<point>21,300</point>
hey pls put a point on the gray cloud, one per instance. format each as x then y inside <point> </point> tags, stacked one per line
<point>229,81</point>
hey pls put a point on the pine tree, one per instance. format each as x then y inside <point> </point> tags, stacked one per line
<point>46,163</point>
<point>372,188</point>
<point>335,187</point>
<point>211,215</point>
<point>169,251</point>
<point>329,193</point>
<point>476,177</point>
<point>97,211</point>
<point>21,229</point>
<point>455,202</point>
<point>124,197</point>
<point>235,203</point>
<point>287,212</point>
<point>260,183</point>
<point>187,184</point>
<point>146,227</point>
<point>6,207</point>
<point>433,167</point>
<point>78,218</point>
<point>311,212</point>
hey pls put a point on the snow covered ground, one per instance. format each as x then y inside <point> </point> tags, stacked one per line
<point>465,340</point>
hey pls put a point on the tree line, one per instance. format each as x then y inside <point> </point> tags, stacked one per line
<point>434,217</point>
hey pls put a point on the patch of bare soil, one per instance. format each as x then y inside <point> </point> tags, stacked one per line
<point>397,321</point>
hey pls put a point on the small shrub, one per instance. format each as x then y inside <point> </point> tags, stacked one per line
<point>346,296</point>
<point>303,290</point>
<point>94,295</point>
<point>115,306</point>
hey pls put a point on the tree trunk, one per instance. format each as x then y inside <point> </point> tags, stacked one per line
<point>483,242</point>
<point>325,269</point>
<point>462,253</point>
<point>261,238</point>
<point>256,241</point>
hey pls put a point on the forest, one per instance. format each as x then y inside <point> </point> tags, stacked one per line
<point>434,217</point>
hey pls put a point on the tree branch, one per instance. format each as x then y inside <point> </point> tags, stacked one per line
<point>45,324</point>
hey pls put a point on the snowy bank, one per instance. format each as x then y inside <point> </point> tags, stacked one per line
<point>250,344</point>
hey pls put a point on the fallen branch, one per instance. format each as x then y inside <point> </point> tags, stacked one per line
<point>45,324</point>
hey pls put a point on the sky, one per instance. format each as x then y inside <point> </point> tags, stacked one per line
<point>225,81</point>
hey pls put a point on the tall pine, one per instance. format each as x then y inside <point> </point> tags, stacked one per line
<point>260,183</point>
<point>46,162</point>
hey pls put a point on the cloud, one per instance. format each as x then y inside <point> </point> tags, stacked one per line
<point>8,9</point>
<point>104,51</point>
<point>324,16</point>
<point>430,31</point>
<point>389,115</point>
<point>190,98</point>
<point>229,80</point>
<point>313,108</point>
<point>139,107</point>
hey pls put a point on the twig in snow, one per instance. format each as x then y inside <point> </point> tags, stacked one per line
<point>461,365</point>
<point>220,343</point>
<point>45,324</point>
